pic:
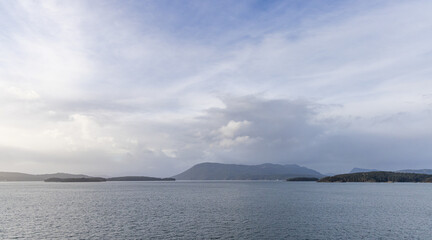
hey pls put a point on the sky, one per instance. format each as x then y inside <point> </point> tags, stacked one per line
<point>151,88</point>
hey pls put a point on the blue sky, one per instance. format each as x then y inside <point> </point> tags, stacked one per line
<point>153,87</point>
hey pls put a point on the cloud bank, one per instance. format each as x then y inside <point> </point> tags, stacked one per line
<point>154,87</point>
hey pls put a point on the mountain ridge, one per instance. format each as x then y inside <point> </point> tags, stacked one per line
<point>266,171</point>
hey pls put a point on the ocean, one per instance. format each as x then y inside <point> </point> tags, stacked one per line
<point>215,210</point>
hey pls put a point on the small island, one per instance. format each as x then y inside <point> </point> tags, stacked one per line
<point>379,176</point>
<point>302,179</point>
<point>88,179</point>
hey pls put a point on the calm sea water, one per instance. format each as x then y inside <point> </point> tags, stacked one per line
<point>215,210</point>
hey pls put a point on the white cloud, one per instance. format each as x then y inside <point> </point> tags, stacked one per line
<point>170,153</point>
<point>232,127</point>
<point>232,142</point>
<point>23,94</point>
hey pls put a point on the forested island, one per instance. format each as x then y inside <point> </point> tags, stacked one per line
<point>380,176</point>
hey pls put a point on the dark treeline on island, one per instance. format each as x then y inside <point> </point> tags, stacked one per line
<point>379,177</point>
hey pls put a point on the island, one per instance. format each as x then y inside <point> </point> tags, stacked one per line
<point>379,176</point>
<point>302,179</point>
<point>87,179</point>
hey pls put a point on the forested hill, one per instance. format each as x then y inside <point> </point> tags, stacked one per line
<point>379,177</point>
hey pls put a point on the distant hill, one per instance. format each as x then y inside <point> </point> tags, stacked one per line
<point>421,171</point>
<point>379,177</point>
<point>15,176</point>
<point>267,171</point>
<point>357,170</point>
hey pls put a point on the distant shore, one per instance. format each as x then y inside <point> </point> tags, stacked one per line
<point>115,179</point>
<point>90,179</point>
<point>302,179</point>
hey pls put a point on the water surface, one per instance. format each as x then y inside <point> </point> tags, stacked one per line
<point>215,210</point>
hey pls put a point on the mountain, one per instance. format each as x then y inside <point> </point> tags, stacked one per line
<point>421,171</point>
<point>379,177</point>
<point>15,176</point>
<point>358,170</point>
<point>267,171</point>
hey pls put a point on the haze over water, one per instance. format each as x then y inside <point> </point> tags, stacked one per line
<point>215,210</point>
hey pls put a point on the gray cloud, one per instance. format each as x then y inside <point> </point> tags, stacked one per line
<point>286,131</point>
<point>248,130</point>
